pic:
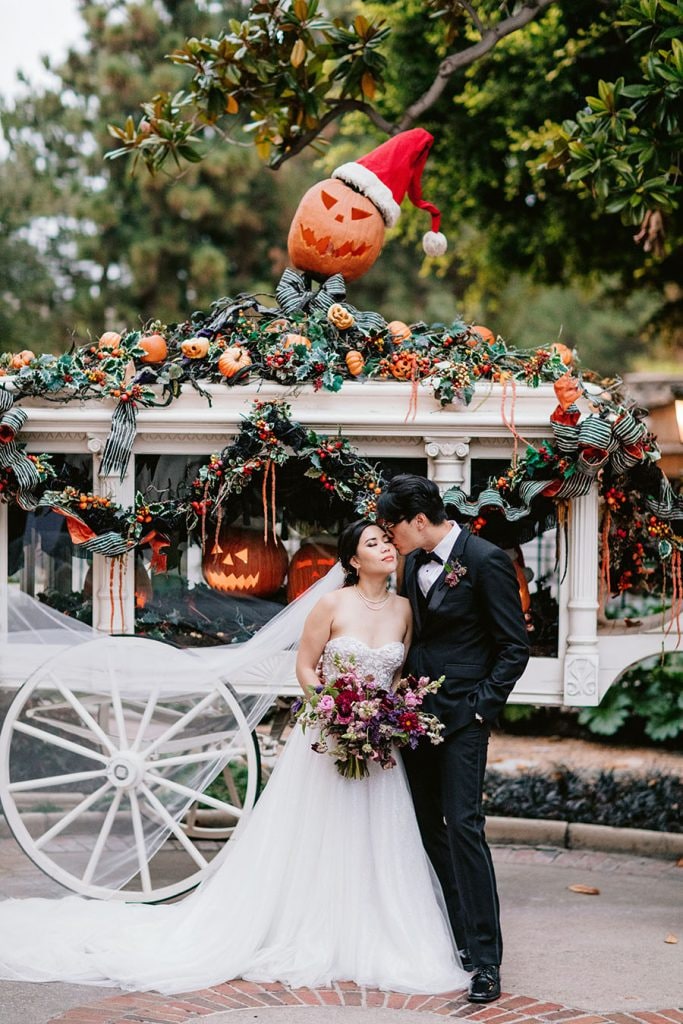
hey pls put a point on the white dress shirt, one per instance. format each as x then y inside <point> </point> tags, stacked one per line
<point>428,573</point>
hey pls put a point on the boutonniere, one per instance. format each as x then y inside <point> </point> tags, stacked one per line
<point>455,571</point>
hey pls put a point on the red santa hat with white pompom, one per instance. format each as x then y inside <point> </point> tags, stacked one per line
<point>389,172</point>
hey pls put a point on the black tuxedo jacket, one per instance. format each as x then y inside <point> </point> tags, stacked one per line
<point>474,633</point>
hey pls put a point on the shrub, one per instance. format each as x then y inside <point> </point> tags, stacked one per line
<point>622,800</point>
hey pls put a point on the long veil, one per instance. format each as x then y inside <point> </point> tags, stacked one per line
<point>77,678</point>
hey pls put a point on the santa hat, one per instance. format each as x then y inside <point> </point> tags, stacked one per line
<point>391,170</point>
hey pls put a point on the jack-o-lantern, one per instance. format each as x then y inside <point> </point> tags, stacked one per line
<point>155,348</point>
<point>335,230</point>
<point>312,561</point>
<point>195,348</point>
<point>240,562</point>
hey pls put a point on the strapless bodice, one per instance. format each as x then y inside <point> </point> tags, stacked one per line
<point>380,662</point>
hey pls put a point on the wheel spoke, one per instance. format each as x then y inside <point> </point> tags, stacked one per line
<point>83,713</point>
<point>146,718</point>
<point>198,758</point>
<point>116,704</point>
<point>181,722</point>
<point>102,837</point>
<point>140,842</point>
<point>193,794</point>
<point>175,828</point>
<point>57,741</point>
<point>74,813</point>
<point>53,780</point>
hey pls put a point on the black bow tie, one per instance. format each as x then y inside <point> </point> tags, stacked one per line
<point>424,557</point>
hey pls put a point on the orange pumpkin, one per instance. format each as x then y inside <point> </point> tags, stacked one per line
<point>22,359</point>
<point>398,331</point>
<point>290,340</point>
<point>195,348</point>
<point>354,362</point>
<point>110,339</point>
<point>565,354</point>
<point>312,561</point>
<point>335,231</point>
<point>233,360</point>
<point>486,336</point>
<point>240,562</point>
<point>155,348</point>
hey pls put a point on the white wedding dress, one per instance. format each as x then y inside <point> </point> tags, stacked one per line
<point>328,880</point>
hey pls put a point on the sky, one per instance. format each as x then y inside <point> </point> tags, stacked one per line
<point>29,29</point>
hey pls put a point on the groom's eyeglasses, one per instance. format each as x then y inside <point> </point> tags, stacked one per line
<point>388,525</point>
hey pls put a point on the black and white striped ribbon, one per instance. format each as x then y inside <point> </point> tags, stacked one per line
<point>119,446</point>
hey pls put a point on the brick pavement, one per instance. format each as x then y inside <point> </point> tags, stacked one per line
<point>148,1008</point>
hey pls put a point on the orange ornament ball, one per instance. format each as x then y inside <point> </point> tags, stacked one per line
<point>335,230</point>
<point>154,347</point>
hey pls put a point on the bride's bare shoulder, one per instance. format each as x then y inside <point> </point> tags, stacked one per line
<point>403,605</point>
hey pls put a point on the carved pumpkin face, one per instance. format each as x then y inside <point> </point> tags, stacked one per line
<point>313,560</point>
<point>195,348</point>
<point>241,563</point>
<point>335,231</point>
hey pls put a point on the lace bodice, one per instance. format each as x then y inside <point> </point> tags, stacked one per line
<point>381,662</point>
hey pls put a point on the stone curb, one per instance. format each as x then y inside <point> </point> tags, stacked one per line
<point>510,831</point>
<point>578,836</point>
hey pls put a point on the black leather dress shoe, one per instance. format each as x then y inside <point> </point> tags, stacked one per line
<point>466,960</point>
<point>485,984</point>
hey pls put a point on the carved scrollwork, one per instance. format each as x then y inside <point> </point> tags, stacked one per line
<point>581,678</point>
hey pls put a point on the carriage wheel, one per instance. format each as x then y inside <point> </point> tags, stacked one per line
<point>99,767</point>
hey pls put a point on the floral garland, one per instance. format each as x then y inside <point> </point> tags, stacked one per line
<point>319,339</point>
<point>268,437</point>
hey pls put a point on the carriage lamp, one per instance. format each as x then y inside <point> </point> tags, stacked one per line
<point>678,403</point>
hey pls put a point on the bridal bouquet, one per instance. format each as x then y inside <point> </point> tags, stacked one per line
<point>360,722</point>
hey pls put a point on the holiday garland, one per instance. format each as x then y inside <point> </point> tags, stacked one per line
<point>316,337</point>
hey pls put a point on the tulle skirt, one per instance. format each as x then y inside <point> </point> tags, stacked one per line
<point>327,880</point>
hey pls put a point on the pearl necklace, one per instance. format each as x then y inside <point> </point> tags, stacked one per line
<point>373,606</point>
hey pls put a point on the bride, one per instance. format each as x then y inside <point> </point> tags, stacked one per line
<point>328,880</point>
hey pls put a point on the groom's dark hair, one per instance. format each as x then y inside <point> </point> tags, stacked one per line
<point>407,494</point>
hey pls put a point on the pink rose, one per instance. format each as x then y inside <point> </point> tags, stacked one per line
<point>411,699</point>
<point>326,703</point>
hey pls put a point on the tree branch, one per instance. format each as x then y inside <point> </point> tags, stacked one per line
<point>343,107</point>
<point>455,61</point>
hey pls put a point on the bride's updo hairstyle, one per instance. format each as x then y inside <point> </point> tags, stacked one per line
<point>347,546</point>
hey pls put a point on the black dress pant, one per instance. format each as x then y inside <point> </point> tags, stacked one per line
<point>446,783</point>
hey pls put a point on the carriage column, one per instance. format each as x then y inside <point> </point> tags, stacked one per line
<point>581,662</point>
<point>449,462</point>
<point>113,591</point>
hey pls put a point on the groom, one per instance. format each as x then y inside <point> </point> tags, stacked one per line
<point>468,627</point>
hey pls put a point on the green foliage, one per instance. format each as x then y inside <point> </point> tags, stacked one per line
<point>605,798</point>
<point>651,691</point>
<point>86,246</point>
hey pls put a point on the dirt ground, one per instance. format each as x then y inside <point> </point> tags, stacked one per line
<point>526,753</point>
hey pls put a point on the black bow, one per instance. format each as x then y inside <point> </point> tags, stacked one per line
<point>424,557</point>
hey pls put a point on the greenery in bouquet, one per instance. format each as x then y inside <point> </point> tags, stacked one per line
<point>360,723</point>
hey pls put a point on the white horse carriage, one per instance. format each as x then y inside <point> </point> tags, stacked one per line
<point>118,749</point>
